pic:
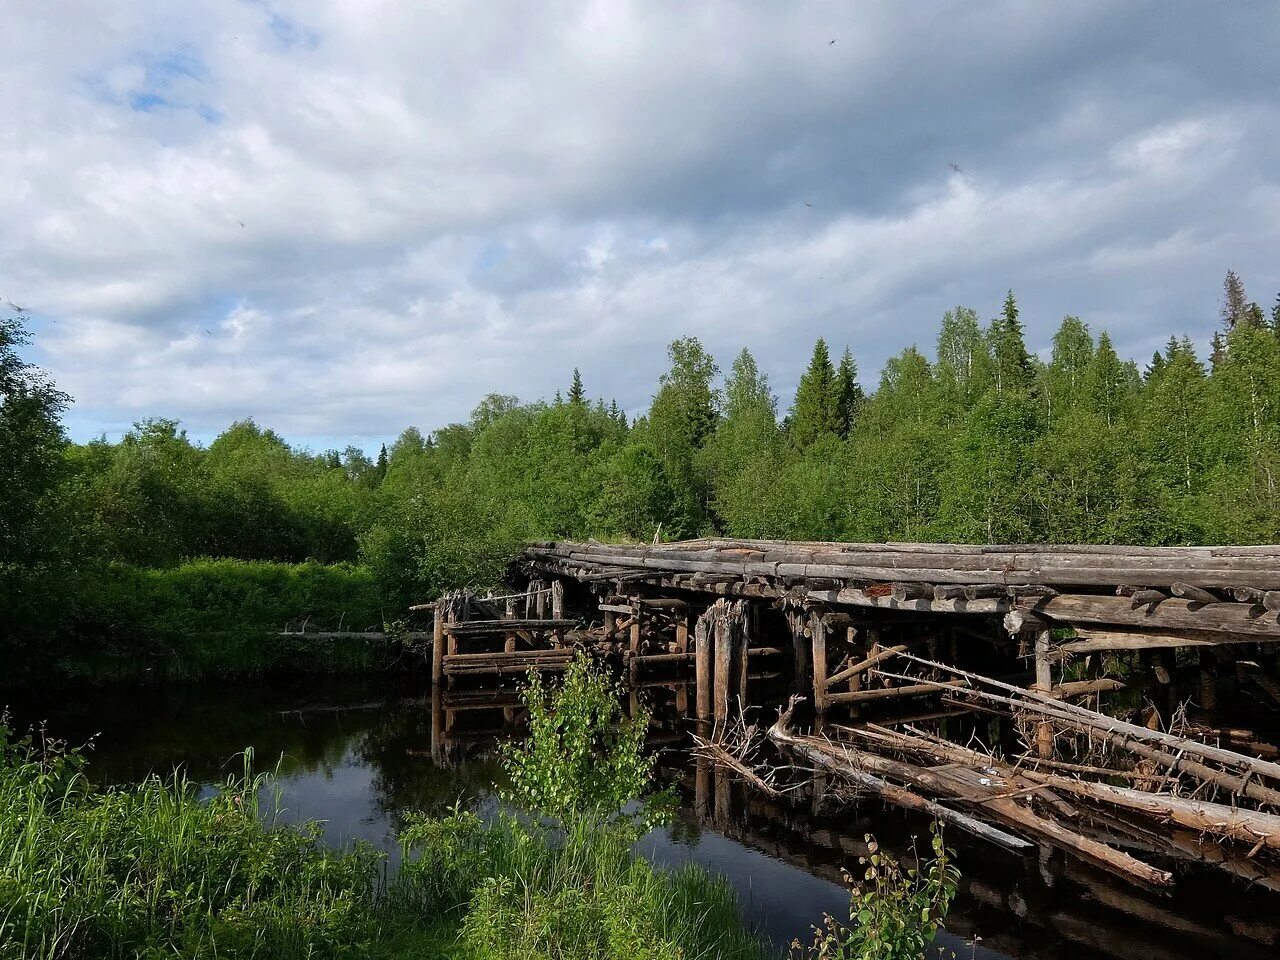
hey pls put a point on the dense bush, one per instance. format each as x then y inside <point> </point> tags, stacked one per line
<point>209,617</point>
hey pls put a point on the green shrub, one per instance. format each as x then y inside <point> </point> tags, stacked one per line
<point>893,914</point>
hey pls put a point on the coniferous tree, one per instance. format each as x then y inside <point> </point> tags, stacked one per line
<point>1009,349</point>
<point>849,395</point>
<point>382,462</point>
<point>577,396</point>
<point>816,410</point>
<point>1235,304</point>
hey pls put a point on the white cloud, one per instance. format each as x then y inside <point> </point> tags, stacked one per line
<point>342,218</point>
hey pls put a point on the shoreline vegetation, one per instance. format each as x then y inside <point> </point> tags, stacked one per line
<point>161,869</point>
<point>105,546</point>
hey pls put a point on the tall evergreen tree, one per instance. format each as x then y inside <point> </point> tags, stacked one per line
<point>1009,349</point>
<point>849,395</point>
<point>1235,304</point>
<point>382,462</point>
<point>577,396</point>
<point>816,410</point>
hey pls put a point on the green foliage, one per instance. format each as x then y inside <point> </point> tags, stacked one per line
<point>816,412</point>
<point>215,617</point>
<point>152,870</point>
<point>583,764</point>
<point>894,914</point>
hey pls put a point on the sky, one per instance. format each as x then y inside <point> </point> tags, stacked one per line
<point>343,217</point>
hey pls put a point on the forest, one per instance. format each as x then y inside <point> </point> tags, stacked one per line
<point>139,551</point>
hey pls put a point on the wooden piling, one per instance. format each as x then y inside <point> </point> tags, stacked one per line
<point>703,671</point>
<point>818,634</point>
<point>1044,683</point>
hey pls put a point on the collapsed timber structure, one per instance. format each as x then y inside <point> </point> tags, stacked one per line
<point>1108,701</point>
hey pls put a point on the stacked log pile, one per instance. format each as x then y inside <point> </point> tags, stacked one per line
<point>1117,597</point>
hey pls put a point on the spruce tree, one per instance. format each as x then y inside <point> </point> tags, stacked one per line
<point>577,396</point>
<point>1235,305</point>
<point>382,462</point>
<point>815,412</point>
<point>1009,349</point>
<point>849,396</point>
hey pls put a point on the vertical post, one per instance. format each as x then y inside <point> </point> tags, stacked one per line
<point>437,683</point>
<point>633,660</point>
<point>800,651</point>
<point>723,664</point>
<point>540,601</point>
<point>855,682</point>
<point>702,634</point>
<point>1044,683</point>
<point>1208,683</point>
<point>557,599</point>
<point>740,645</point>
<point>682,646</point>
<point>818,629</point>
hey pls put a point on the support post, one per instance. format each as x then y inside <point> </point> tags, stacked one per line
<point>1208,683</point>
<point>723,666</point>
<point>437,683</point>
<point>800,650</point>
<point>633,661</point>
<point>1044,683</point>
<point>682,646</point>
<point>818,630</point>
<point>557,599</point>
<point>702,664</point>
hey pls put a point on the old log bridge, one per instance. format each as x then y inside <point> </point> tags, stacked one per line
<point>1102,699</point>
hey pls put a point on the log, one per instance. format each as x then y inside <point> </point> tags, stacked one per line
<point>865,665</point>
<point>1193,593</point>
<point>911,591</point>
<point>504,626</point>
<point>890,693</point>
<point>1081,688</point>
<point>951,782</point>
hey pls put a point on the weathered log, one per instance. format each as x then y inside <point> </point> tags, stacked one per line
<point>503,626</point>
<point>864,665</point>
<point>1080,688</point>
<point>1193,593</point>
<point>966,786</point>
<point>891,693</point>
<point>910,591</point>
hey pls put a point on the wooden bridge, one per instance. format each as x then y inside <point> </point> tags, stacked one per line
<point>1110,701</point>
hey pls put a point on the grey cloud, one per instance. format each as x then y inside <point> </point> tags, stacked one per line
<point>442,200</point>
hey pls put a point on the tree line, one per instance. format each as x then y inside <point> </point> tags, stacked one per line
<point>982,441</point>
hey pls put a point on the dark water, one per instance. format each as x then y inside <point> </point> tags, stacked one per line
<point>355,755</point>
